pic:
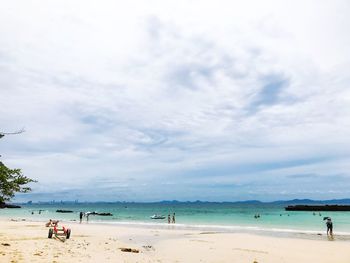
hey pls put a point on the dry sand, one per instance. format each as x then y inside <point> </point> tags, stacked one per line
<point>24,241</point>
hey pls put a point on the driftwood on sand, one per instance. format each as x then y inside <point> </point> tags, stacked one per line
<point>127,249</point>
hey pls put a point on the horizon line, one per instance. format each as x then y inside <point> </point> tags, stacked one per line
<point>188,201</point>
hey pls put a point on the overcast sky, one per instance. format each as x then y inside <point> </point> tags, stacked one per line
<point>161,100</point>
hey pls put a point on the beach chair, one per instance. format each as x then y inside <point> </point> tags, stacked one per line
<point>59,232</point>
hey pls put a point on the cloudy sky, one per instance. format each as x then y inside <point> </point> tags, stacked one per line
<point>153,100</point>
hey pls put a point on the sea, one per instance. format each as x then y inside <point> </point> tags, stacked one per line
<point>206,216</point>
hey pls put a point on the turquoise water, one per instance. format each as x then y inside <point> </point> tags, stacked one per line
<point>201,215</point>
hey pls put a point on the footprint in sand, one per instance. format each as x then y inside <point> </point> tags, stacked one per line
<point>251,250</point>
<point>148,248</point>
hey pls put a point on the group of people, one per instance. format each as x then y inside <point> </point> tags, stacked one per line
<point>39,212</point>
<point>171,220</point>
<point>82,214</point>
<point>329,223</point>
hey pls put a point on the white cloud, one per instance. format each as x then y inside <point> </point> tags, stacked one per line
<point>144,93</point>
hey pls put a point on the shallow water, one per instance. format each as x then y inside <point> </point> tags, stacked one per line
<point>213,216</point>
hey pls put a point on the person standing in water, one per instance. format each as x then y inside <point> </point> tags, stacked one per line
<point>173,218</point>
<point>329,225</point>
<point>169,219</point>
<point>81,216</point>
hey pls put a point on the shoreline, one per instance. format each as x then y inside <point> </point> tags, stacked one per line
<point>223,229</point>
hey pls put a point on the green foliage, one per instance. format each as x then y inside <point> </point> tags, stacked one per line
<point>12,181</point>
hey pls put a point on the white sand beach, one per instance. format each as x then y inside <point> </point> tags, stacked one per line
<point>24,241</point>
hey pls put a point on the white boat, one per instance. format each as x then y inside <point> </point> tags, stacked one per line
<point>157,217</point>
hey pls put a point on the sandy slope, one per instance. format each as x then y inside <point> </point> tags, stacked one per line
<point>28,242</point>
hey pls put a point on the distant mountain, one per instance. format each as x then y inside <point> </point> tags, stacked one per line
<point>247,202</point>
<point>279,202</point>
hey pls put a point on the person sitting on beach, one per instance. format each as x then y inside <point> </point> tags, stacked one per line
<point>329,225</point>
<point>48,223</point>
<point>52,223</point>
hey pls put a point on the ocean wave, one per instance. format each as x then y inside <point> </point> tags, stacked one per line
<point>221,228</point>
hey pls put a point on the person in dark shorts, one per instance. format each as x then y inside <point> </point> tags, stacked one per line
<point>329,225</point>
<point>81,216</point>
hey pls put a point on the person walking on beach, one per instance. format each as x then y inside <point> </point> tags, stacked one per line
<point>173,219</point>
<point>81,217</point>
<point>169,219</point>
<point>329,225</point>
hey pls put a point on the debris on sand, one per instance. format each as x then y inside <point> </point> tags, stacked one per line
<point>127,249</point>
<point>148,247</point>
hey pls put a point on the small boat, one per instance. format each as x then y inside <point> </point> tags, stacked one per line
<point>157,217</point>
<point>64,211</point>
<point>98,214</point>
<point>104,214</point>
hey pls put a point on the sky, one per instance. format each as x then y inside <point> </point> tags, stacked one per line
<point>177,100</point>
